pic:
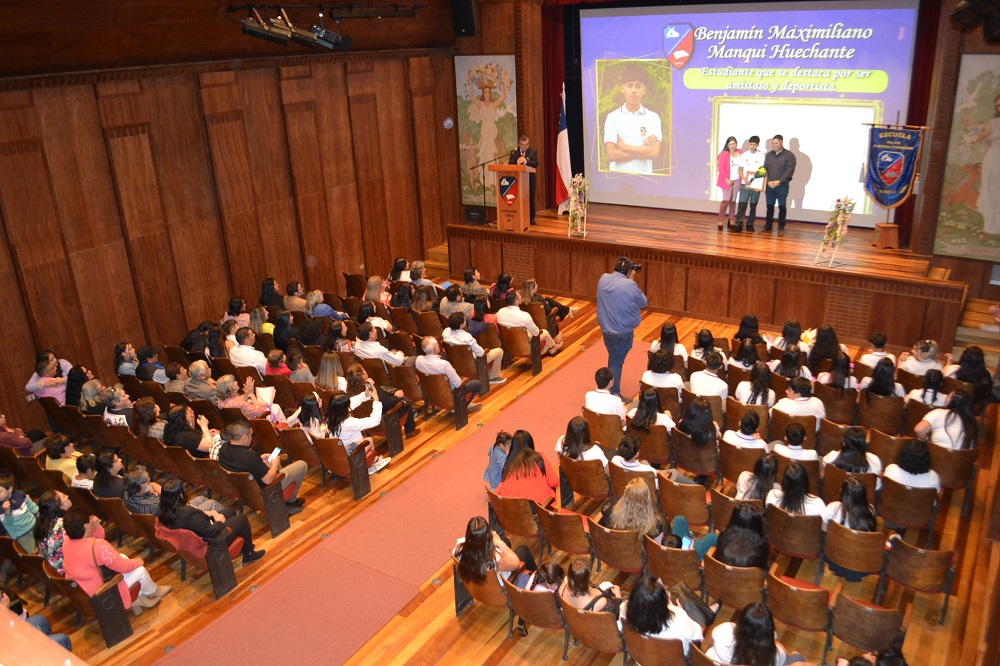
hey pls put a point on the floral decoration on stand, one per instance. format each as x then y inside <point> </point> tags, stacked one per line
<point>836,228</point>
<point>579,200</point>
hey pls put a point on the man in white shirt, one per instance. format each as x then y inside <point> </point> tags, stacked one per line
<point>750,187</point>
<point>603,401</point>
<point>369,347</point>
<point>799,401</point>
<point>707,382</point>
<point>877,351</point>
<point>795,434</point>
<point>632,133</point>
<point>456,334</point>
<point>515,317</point>
<point>431,363</point>
<point>244,354</point>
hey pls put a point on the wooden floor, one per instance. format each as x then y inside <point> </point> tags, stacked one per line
<point>697,233</point>
<point>426,631</point>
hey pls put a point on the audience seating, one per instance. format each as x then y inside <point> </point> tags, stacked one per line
<point>404,378</point>
<point>697,460</point>
<point>654,446</point>
<point>811,467</point>
<point>685,499</point>
<point>699,658</point>
<point>515,516</point>
<point>714,401</point>
<point>833,482</point>
<point>830,434</point>
<point>883,413</point>
<point>296,443</point>
<point>403,321</point>
<point>489,593</point>
<point>389,427</point>
<point>651,650</point>
<point>861,552</point>
<point>586,477</point>
<point>209,411</point>
<point>780,422</point>
<point>927,571</point>
<point>215,556</point>
<point>605,429</point>
<point>734,460</point>
<point>903,507</point>
<point>621,549</point>
<point>736,409</point>
<point>915,413</point>
<point>438,394</point>
<point>517,344</point>
<point>957,469</point>
<point>269,500</point>
<point>674,565</point>
<point>735,375</point>
<point>538,608</point>
<point>375,368</point>
<point>794,603</point>
<point>866,626</point>
<point>909,380</point>
<point>468,366</point>
<point>105,604</point>
<point>794,534</point>
<point>886,447</point>
<point>841,405</point>
<point>429,324</point>
<point>562,530</point>
<point>335,460</point>
<point>724,505</point>
<point>669,399</point>
<point>597,630</point>
<point>733,587</point>
<point>620,478</point>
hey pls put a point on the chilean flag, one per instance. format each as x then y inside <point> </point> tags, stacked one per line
<point>564,170</point>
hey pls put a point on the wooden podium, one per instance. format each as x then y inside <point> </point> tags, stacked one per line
<point>513,196</point>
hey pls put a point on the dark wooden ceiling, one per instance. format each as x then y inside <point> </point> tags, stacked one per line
<point>56,36</point>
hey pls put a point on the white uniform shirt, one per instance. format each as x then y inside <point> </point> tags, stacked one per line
<point>634,129</point>
<point>603,402</point>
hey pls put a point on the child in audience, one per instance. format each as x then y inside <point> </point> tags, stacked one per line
<point>795,434</point>
<point>86,467</point>
<point>17,513</point>
<point>276,363</point>
<point>498,456</point>
<point>876,352</point>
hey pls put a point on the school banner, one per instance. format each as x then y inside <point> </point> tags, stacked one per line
<point>893,153</point>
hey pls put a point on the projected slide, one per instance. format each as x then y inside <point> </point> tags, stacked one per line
<point>664,87</point>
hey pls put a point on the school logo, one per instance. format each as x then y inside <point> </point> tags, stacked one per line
<point>890,167</point>
<point>508,190</point>
<point>678,43</point>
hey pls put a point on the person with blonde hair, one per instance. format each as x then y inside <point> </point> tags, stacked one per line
<point>635,511</point>
<point>228,389</point>
<point>93,397</point>
<point>331,373</point>
<point>317,306</point>
<point>259,323</point>
<point>376,292</point>
<point>922,358</point>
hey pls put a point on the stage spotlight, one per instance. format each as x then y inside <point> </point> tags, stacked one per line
<point>328,38</point>
<point>255,26</point>
<point>282,26</point>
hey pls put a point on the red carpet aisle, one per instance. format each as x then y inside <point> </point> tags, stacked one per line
<point>328,604</point>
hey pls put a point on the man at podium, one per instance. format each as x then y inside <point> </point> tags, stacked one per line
<point>525,156</point>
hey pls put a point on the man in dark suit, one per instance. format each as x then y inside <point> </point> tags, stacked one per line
<point>526,156</point>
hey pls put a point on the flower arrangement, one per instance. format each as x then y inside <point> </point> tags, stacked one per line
<point>836,228</point>
<point>486,75</point>
<point>579,200</point>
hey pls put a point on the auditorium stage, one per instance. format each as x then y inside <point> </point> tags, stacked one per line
<point>691,269</point>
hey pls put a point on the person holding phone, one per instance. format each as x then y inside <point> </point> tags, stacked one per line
<point>236,456</point>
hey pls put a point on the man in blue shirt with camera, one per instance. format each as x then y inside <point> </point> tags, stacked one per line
<point>619,312</point>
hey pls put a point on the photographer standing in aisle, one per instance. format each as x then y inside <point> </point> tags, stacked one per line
<point>619,312</point>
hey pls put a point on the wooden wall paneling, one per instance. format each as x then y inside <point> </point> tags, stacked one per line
<point>587,269</point>
<point>126,126</point>
<point>459,257</point>
<point>270,173</point>
<point>428,158</point>
<point>230,146</point>
<point>707,291</point>
<point>936,314</point>
<point>446,150</point>
<point>666,285</point>
<point>368,163</point>
<point>751,294</point>
<point>974,272</point>
<point>901,319</point>
<point>552,269</point>
<point>803,300</point>
<point>298,98</point>
<point>496,35</point>
<point>530,85</point>
<point>179,142</point>
<point>88,215</point>
<point>487,256</point>
<point>336,142</point>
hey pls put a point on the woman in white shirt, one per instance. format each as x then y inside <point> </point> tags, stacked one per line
<point>668,341</point>
<point>746,356</point>
<point>660,372</point>
<point>794,495</point>
<point>650,612</point>
<point>839,375</point>
<point>931,394</point>
<point>366,313</point>
<point>757,484</point>
<point>883,381</point>
<point>791,334</point>
<point>749,640</point>
<point>788,365</point>
<point>349,428</point>
<point>922,358</point>
<point>853,455</point>
<point>913,467</point>
<point>648,413</point>
<point>705,345</point>
<point>577,444</point>
<point>953,427</point>
<point>756,391</point>
<point>853,510</point>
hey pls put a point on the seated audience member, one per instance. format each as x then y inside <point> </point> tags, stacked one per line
<point>259,323</point>
<point>142,495</point>
<point>299,369</point>
<point>108,481</point>
<point>49,533</point>
<point>229,328</point>
<point>502,287</point>
<point>84,553</point>
<point>317,307</point>
<point>514,317</point>
<point>579,592</point>
<point>552,307</point>
<point>913,467</point>
<point>86,470</point>
<point>699,423</point>
<point>745,356</point>
<point>331,373</point>
<point>548,578</point>
<point>791,336</point>
<point>61,454</point>
<point>93,398</point>
<point>882,382</point>
<point>349,429</point>
<point>431,363</point>
<point>482,552</point>
<point>971,368</point>
<point>749,329</point>
<point>337,340</point>
<point>77,377</point>
<point>498,456</point>
<point>400,271</point>
<point>357,381</point>
<point>853,510</point>
<point>61,371</point>
<point>824,348</point>
<point>660,372</point>
<point>705,345</point>
<point>527,473</point>
<point>16,605</point>
<point>650,612</point>
<point>376,291</point>
<point>293,300</point>
<point>747,436</point>
<point>425,299</point>
<point>707,382</point>
<point>403,298</point>
<point>795,434</point>
<point>366,313</point>
<point>635,511</point>
<point>794,495</point>
<point>368,346</point>
<point>244,353</point>
<point>932,393</point>
<point>923,357</point>
<point>481,318</point>
<point>180,430</point>
<point>175,513</point>
<point>276,363</point>
<point>417,279</point>
<point>49,384</point>
<point>453,302</point>
<point>854,456</point>
<point>577,444</point>
<point>757,484</point>
<point>628,455</point>
<point>16,438</point>
<point>750,640</point>
<point>269,294</point>
<point>743,543</point>
<point>247,402</point>
<point>668,342</point>
<point>756,390</point>
<point>150,368</point>
<point>953,427</point>
<point>471,286</point>
<point>876,350</point>
<point>602,400</point>
<point>126,360</point>
<point>237,312</point>
<point>236,456</point>
<point>839,374</point>
<point>177,376</point>
<point>647,413</point>
<point>456,334</point>
<point>200,385</point>
<point>18,513</point>
<point>799,401</point>
<point>118,410</point>
<point>788,365</point>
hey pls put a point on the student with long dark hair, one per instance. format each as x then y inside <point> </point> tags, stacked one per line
<point>749,329</point>
<point>853,510</point>
<point>349,429</point>
<point>577,444</point>
<point>853,455</point>
<point>705,345</point>
<point>882,382</point>
<point>668,342</point>
<point>526,473</point>
<point>791,336</point>
<point>744,542</point>
<point>825,347</point>
<point>270,295</point>
<point>756,390</point>
<point>577,590</point>
<point>757,484</point>
<point>482,551</point>
<point>954,426</point>
<point>794,495</point>
<point>698,423</point>
<point>788,365</point>
<point>650,612</point>
<point>932,393</point>
<point>175,513</point>
<point>746,355</point>
<point>971,368</point>
<point>647,413</point>
<point>403,298</point>
<point>400,271</point>
<point>750,640</point>
<point>839,375</point>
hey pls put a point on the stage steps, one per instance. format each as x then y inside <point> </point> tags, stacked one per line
<point>436,262</point>
<point>978,328</point>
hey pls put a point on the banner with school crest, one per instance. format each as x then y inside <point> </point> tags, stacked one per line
<point>893,153</point>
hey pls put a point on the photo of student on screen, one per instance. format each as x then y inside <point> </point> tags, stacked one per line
<point>633,133</point>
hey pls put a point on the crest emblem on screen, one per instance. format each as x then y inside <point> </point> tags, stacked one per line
<point>678,43</point>
<point>508,190</point>
<point>890,167</point>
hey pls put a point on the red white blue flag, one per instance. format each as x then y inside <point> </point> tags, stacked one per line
<point>564,169</point>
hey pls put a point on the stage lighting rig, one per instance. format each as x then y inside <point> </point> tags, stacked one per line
<point>281,29</point>
<point>255,26</point>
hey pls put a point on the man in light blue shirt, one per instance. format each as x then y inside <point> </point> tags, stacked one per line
<point>619,312</point>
